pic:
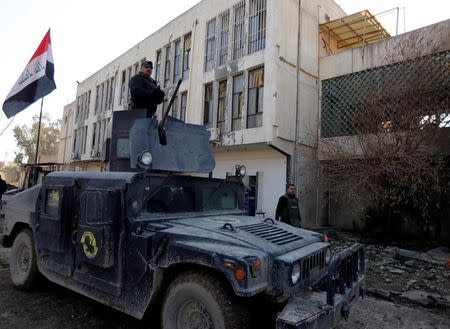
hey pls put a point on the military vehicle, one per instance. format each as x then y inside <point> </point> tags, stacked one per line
<point>149,237</point>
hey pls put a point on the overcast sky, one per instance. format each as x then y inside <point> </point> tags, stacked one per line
<point>87,35</point>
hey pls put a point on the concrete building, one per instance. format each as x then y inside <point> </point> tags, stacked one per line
<point>385,80</point>
<point>65,145</point>
<point>252,72</point>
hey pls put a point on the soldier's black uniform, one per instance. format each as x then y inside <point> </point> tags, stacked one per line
<point>145,93</point>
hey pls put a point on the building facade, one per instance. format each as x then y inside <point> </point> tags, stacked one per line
<point>250,71</point>
<point>258,75</point>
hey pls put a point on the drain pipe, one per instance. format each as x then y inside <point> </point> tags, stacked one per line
<point>297,96</point>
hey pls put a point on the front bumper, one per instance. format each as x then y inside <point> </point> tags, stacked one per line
<point>324,309</point>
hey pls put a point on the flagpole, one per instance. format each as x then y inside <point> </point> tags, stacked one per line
<point>35,171</point>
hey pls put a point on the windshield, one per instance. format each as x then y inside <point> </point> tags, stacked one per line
<point>173,199</point>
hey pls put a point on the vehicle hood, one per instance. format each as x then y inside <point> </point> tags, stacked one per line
<point>235,231</point>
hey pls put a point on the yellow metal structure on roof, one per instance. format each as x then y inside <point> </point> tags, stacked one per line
<point>355,30</point>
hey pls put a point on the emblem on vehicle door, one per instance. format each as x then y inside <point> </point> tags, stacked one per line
<point>89,244</point>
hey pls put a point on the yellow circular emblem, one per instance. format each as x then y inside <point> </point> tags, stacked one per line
<point>89,244</point>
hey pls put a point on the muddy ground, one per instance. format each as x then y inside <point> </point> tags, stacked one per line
<point>53,307</point>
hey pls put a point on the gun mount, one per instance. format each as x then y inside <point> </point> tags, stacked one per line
<point>134,144</point>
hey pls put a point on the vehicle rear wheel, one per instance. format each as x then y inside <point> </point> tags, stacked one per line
<point>22,261</point>
<point>201,301</point>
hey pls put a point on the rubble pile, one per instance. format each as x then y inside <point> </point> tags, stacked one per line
<point>394,273</point>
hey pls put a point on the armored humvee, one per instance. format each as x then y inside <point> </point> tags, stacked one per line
<point>146,237</point>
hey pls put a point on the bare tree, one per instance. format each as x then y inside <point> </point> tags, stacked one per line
<point>390,136</point>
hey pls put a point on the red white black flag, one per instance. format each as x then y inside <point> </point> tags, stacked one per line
<point>35,82</point>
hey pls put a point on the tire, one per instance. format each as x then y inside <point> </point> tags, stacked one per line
<point>201,301</point>
<point>22,261</point>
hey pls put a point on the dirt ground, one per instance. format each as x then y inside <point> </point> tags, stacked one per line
<point>53,307</point>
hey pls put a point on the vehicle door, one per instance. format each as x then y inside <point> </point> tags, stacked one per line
<point>53,229</point>
<point>98,239</point>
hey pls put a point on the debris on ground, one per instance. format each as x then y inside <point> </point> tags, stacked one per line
<point>410,273</point>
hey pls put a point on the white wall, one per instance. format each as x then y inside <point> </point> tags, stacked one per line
<point>270,166</point>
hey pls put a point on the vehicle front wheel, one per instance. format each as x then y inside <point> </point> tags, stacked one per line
<point>22,261</point>
<point>201,301</point>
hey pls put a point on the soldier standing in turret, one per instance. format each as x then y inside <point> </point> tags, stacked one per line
<point>145,93</point>
<point>287,208</point>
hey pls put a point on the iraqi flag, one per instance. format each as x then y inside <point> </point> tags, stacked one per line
<point>35,82</point>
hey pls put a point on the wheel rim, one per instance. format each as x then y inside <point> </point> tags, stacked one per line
<point>193,315</point>
<point>24,259</point>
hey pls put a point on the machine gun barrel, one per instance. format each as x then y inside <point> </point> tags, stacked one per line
<point>162,125</point>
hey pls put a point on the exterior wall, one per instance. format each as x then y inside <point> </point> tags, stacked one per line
<point>426,41</point>
<point>265,163</point>
<point>417,43</point>
<point>65,136</point>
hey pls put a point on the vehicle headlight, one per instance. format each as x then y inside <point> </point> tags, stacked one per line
<point>241,171</point>
<point>145,158</point>
<point>328,256</point>
<point>295,273</point>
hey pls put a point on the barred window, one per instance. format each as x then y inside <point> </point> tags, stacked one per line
<point>177,62</point>
<point>238,102</point>
<point>111,93</point>
<point>97,91</point>
<point>167,67</point>
<point>257,25</point>
<point>239,30</point>
<point>208,106</point>
<point>123,88</point>
<point>186,56</point>
<point>224,21</point>
<point>158,67</point>
<point>255,98</point>
<point>129,75</point>
<point>210,44</point>
<point>183,105</point>
<point>222,105</point>
<point>94,134</point>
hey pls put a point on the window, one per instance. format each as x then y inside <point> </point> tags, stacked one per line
<point>74,147</point>
<point>158,68</point>
<point>129,76</point>
<point>85,139</point>
<point>186,56</point>
<point>103,99</point>
<point>94,134</point>
<point>183,105</point>
<point>257,25</point>
<point>52,199</point>
<point>222,105</point>
<point>208,106</point>
<point>238,102</point>
<point>123,88</point>
<point>83,103</point>
<point>97,99</point>
<point>239,30</point>
<point>177,62</point>
<point>174,108</point>
<point>123,148</point>
<point>111,93</point>
<point>210,44</point>
<point>218,198</point>
<point>255,98</point>
<point>171,199</point>
<point>223,37</point>
<point>93,206</point>
<point>167,67</point>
